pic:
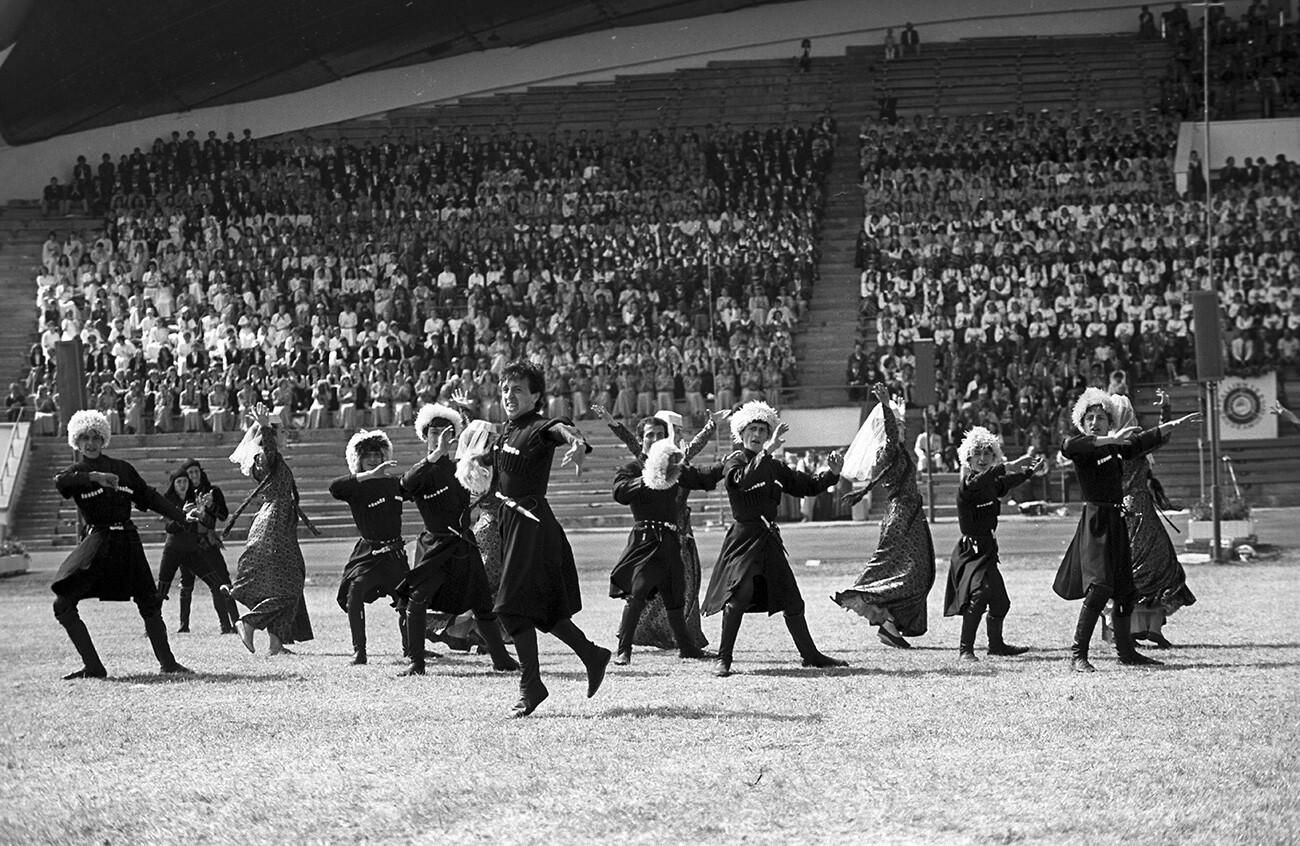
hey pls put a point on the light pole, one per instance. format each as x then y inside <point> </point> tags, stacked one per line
<point>1211,387</point>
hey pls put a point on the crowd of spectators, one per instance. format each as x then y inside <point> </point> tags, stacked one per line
<point>1053,250</point>
<point>344,283</point>
<point>1254,61</point>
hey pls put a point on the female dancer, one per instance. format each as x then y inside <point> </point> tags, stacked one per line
<point>271,573</point>
<point>753,574</point>
<point>651,565</point>
<point>1098,566</point>
<point>974,581</point>
<point>109,563</point>
<point>892,590</point>
<point>655,629</point>
<point>378,561</point>
<point>448,574</point>
<point>194,548</point>
<point>539,579</point>
<point>1159,580</point>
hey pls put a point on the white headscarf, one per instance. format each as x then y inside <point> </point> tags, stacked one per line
<point>245,455</point>
<point>869,441</point>
<point>476,440</point>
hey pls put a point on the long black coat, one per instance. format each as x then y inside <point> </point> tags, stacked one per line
<point>109,563</point>
<point>539,578</point>
<point>1099,555</point>
<point>752,547</point>
<point>653,555</point>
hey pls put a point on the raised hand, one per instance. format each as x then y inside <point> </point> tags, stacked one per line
<point>604,415</point>
<point>777,440</point>
<point>446,437</point>
<point>384,469</point>
<point>720,416</point>
<point>835,461</point>
<point>260,414</point>
<point>462,398</point>
<point>1162,398</point>
<point>881,391</point>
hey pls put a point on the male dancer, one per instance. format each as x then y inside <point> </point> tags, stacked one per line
<point>652,561</point>
<point>539,579</point>
<point>974,581</point>
<point>378,561</point>
<point>1098,566</point>
<point>109,563</point>
<point>448,574</point>
<point>753,573</point>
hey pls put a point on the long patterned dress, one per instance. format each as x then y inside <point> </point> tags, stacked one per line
<point>653,629</point>
<point>1158,577</point>
<point>271,572</point>
<point>899,575</point>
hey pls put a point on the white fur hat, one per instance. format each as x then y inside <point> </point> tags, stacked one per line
<point>367,441</point>
<point>88,420</point>
<point>432,412</point>
<point>980,438</point>
<point>1091,397</point>
<point>655,472</point>
<point>752,412</point>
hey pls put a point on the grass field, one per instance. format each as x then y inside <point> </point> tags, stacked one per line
<point>903,747</point>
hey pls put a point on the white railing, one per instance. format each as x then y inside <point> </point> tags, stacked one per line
<point>14,440</point>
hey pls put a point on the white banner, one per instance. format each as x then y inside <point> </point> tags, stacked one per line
<point>1246,407</point>
<point>821,427</point>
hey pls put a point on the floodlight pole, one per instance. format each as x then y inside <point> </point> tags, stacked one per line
<point>1212,416</point>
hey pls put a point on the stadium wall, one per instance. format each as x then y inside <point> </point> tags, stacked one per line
<point>772,31</point>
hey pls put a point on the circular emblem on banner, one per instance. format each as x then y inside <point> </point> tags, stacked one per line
<point>1243,405</point>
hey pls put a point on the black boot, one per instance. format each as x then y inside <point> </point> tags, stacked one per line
<point>970,623</point>
<point>803,641</point>
<point>404,630</point>
<point>1124,646</point>
<point>221,604</point>
<point>414,620</point>
<point>357,623</point>
<point>232,613</point>
<point>626,628</point>
<point>998,646</point>
<point>686,647</point>
<point>531,690</point>
<point>491,634</point>
<point>731,619</point>
<point>1088,615</point>
<point>91,666</point>
<point>186,598</point>
<point>156,629</point>
<point>595,658</point>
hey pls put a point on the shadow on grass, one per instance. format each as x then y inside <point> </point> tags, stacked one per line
<point>683,712</point>
<point>1242,665</point>
<point>897,672</point>
<point>1185,646</point>
<point>203,678</point>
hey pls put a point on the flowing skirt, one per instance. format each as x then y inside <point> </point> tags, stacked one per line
<point>1158,578</point>
<point>271,573</point>
<point>897,579</point>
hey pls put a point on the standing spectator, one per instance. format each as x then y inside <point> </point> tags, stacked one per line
<point>911,42</point>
